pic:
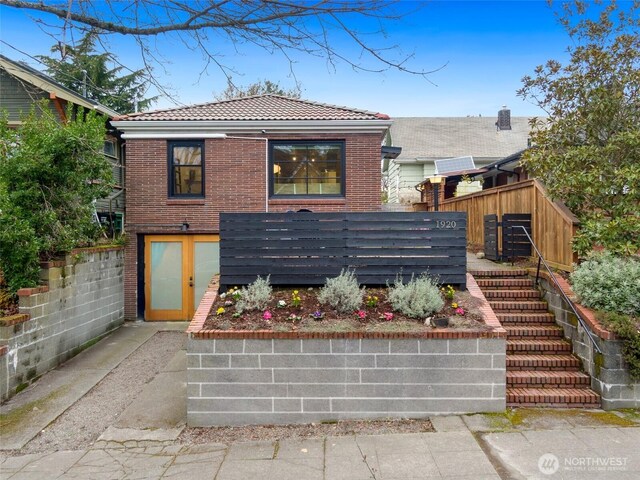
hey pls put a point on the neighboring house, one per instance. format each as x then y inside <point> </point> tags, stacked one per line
<point>22,87</point>
<point>425,140</point>
<point>253,154</point>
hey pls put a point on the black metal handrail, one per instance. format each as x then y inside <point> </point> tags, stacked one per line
<point>542,261</point>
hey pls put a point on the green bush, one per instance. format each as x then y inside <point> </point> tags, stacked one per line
<point>628,329</point>
<point>609,283</point>
<point>50,174</point>
<point>342,292</point>
<point>255,296</point>
<point>417,299</point>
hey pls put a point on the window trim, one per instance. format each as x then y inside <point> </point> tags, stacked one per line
<point>343,188</point>
<point>171,171</point>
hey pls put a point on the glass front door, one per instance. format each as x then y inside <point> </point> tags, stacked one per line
<point>178,269</point>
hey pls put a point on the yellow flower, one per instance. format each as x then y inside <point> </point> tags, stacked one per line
<point>295,292</point>
<point>220,311</point>
<point>454,305</point>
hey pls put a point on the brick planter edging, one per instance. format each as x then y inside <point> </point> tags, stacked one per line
<point>587,314</point>
<point>196,327</point>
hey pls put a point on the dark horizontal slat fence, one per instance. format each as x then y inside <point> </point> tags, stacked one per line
<point>514,241</point>
<point>305,248</point>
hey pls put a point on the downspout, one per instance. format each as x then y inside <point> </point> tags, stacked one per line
<point>266,165</point>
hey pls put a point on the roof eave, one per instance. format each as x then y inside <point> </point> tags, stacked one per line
<point>202,128</point>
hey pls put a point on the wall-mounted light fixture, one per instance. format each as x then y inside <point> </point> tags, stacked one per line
<point>185,226</point>
<point>435,180</point>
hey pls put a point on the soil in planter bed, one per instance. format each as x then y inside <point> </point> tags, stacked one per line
<point>332,321</point>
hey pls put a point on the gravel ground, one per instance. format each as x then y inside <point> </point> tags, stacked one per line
<point>80,425</point>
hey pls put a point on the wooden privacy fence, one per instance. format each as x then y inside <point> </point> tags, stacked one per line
<point>552,224</point>
<point>305,248</point>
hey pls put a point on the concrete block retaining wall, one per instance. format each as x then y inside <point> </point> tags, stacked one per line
<point>238,378</point>
<point>82,300</point>
<point>609,376</point>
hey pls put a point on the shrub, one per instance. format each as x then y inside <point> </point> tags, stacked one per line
<point>609,283</point>
<point>342,292</point>
<point>255,296</point>
<point>628,329</point>
<point>417,299</point>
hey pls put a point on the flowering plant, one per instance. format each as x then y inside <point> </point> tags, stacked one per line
<point>281,304</point>
<point>294,318</point>
<point>388,316</point>
<point>228,303</point>
<point>267,315</point>
<point>220,311</point>
<point>372,301</point>
<point>459,311</point>
<point>317,315</point>
<point>448,292</point>
<point>454,305</point>
<point>235,293</point>
<point>295,299</point>
<point>361,314</point>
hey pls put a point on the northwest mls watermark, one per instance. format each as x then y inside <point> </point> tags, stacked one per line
<point>550,464</point>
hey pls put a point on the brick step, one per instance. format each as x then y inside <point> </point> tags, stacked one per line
<point>552,397</point>
<point>539,347</point>
<point>548,379</point>
<point>516,272</point>
<point>521,318</point>
<point>518,362</point>
<point>534,332</point>
<point>528,306</point>
<point>504,283</point>
<point>511,294</point>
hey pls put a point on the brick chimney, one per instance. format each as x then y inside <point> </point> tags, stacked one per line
<point>504,119</point>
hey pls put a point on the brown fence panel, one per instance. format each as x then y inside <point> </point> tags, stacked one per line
<point>552,223</point>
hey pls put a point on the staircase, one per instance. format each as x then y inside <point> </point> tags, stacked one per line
<point>541,370</point>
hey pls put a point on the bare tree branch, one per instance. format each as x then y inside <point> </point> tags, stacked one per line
<point>285,27</point>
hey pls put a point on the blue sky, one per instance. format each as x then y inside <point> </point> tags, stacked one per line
<point>487,46</point>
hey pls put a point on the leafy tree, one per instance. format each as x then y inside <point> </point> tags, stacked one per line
<point>260,87</point>
<point>50,173</point>
<point>587,152</point>
<point>351,32</point>
<point>82,69</point>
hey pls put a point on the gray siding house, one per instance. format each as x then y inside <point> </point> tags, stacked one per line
<point>22,87</point>
<point>427,139</point>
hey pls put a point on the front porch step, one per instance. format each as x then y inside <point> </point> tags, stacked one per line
<point>536,362</point>
<point>511,294</point>
<point>552,397</point>
<point>516,272</point>
<point>512,307</point>
<point>548,379</point>
<point>538,347</point>
<point>523,318</point>
<point>504,283</point>
<point>534,332</point>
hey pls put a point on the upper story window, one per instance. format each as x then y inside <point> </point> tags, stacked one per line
<point>111,148</point>
<point>307,168</point>
<point>186,169</point>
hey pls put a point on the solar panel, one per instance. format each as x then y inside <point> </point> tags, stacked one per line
<point>454,165</point>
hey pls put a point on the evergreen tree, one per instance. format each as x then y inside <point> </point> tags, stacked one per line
<point>89,73</point>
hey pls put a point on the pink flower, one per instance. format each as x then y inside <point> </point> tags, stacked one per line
<point>388,316</point>
<point>459,311</point>
<point>267,315</point>
<point>362,314</point>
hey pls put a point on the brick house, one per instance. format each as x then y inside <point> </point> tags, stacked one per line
<point>254,154</point>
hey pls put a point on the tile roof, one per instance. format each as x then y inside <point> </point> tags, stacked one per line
<point>256,108</point>
<point>448,137</point>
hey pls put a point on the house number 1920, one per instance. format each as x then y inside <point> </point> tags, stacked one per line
<point>445,224</point>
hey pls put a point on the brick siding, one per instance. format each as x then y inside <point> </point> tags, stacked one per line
<point>235,180</point>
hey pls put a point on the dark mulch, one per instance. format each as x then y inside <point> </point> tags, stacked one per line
<point>369,318</point>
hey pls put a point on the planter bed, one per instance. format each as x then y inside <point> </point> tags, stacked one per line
<point>265,376</point>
